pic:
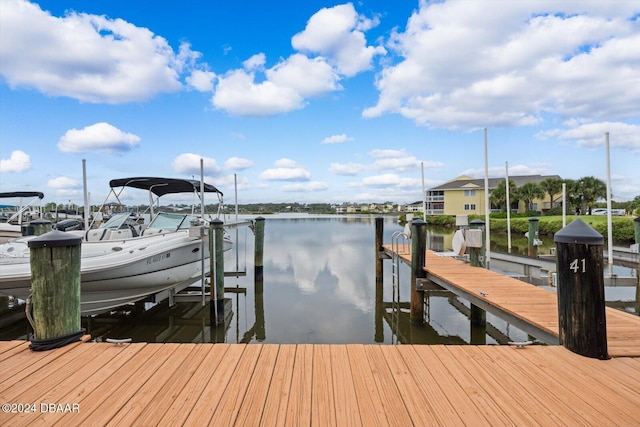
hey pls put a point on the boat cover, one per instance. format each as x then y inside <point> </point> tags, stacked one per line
<point>162,186</point>
<point>37,194</point>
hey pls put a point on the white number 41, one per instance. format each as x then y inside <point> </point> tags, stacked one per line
<point>575,265</point>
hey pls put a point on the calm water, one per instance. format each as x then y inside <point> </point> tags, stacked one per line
<point>319,287</point>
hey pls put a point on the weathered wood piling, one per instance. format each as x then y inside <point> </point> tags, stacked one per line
<point>55,283</point>
<point>581,301</point>
<point>259,249</point>
<point>532,246</point>
<point>418,256</point>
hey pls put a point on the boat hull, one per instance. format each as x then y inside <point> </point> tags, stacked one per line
<point>115,273</point>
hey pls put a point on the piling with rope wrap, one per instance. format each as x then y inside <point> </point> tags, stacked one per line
<point>55,283</point>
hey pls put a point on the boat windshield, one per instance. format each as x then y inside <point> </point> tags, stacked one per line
<point>169,221</point>
<point>116,222</point>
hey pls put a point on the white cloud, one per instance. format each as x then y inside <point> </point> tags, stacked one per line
<point>466,65</point>
<point>387,153</point>
<point>102,137</point>
<point>308,77</point>
<point>621,135</point>
<point>256,62</point>
<point>390,180</point>
<point>286,170</point>
<point>238,163</point>
<point>286,174</point>
<point>201,80</point>
<point>237,93</point>
<point>514,170</point>
<point>337,139</point>
<point>87,57</point>
<point>307,187</point>
<point>285,163</point>
<point>346,168</point>
<point>63,183</point>
<point>189,163</point>
<point>337,34</point>
<point>17,162</point>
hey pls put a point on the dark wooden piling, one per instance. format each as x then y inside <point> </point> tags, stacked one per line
<point>216,259</point>
<point>532,247</point>
<point>581,302</point>
<point>259,249</point>
<point>41,226</point>
<point>636,229</point>
<point>55,284</point>
<point>379,251</point>
<point>418,256</point>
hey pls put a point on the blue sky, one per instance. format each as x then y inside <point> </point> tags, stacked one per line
<point>316,101</point>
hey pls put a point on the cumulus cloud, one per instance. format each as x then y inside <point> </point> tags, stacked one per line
<point>465,65</point>
<point>337,139</point>
<point>238,163</point>
<point>63,183</point>
<point>87,57</point>
<point>307,187</point>
<point>189,163</point>
<point>337,34</point>
<point>514,170</point>
<point>346,168</point>
<point>17,162</point>
<point>621,135</point>
<point>201,81</point>
<point>101,137</point>
<point>286,170</point>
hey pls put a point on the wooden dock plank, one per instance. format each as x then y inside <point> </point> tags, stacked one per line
<point>359,384</point>
<point>157,381</point>
<point>217,361</point>
<point>532,305</point>
<point>429,369</point>
<point>299,407</point>
<point>392,401</point>
<point>430,396</point>
<point>236,390</point>
<point>322,402</point>
<point>118,388</point>
<point>369,397</point>
<point>250,411</point>
<point>171,393</point>
<point>87,378</point>
<point>275,407</point>
<point>344,394</point>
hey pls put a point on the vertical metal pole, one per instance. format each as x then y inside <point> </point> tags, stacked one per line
<point>487,208</point>
<point>564,204</point>
<point>609,220</point>
<point>86,197</point>
<point>424,195</point>
<point>508,190</point>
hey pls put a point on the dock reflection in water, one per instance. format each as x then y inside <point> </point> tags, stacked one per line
<point>319,287</point>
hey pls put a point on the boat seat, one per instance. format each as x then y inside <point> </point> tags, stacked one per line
<point>119,234</point>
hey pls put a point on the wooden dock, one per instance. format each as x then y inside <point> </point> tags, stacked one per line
<point>101,384</point>
<point>530,308</point>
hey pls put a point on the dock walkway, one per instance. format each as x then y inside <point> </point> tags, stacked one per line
<point>102,384</point>
<point>528,307</point>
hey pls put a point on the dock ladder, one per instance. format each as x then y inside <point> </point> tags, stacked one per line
<point>398,238</point>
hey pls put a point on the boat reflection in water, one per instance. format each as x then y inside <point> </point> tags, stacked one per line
<point>318,287</point>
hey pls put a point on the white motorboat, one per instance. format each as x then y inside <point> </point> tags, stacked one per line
<point>122,261</point>
<point>11,226</point>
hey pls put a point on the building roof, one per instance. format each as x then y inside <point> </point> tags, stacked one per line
<point>466,183</point>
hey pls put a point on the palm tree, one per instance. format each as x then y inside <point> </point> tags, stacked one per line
<point>528,192</point>
<point>551,186</point>
<point>498,195</point>
<point>591,189</point>
<point>574,195</point>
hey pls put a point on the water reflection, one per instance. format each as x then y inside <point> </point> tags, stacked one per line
<point>318,286</point>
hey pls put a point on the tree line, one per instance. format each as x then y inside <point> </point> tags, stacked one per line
<point>582,194</point>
